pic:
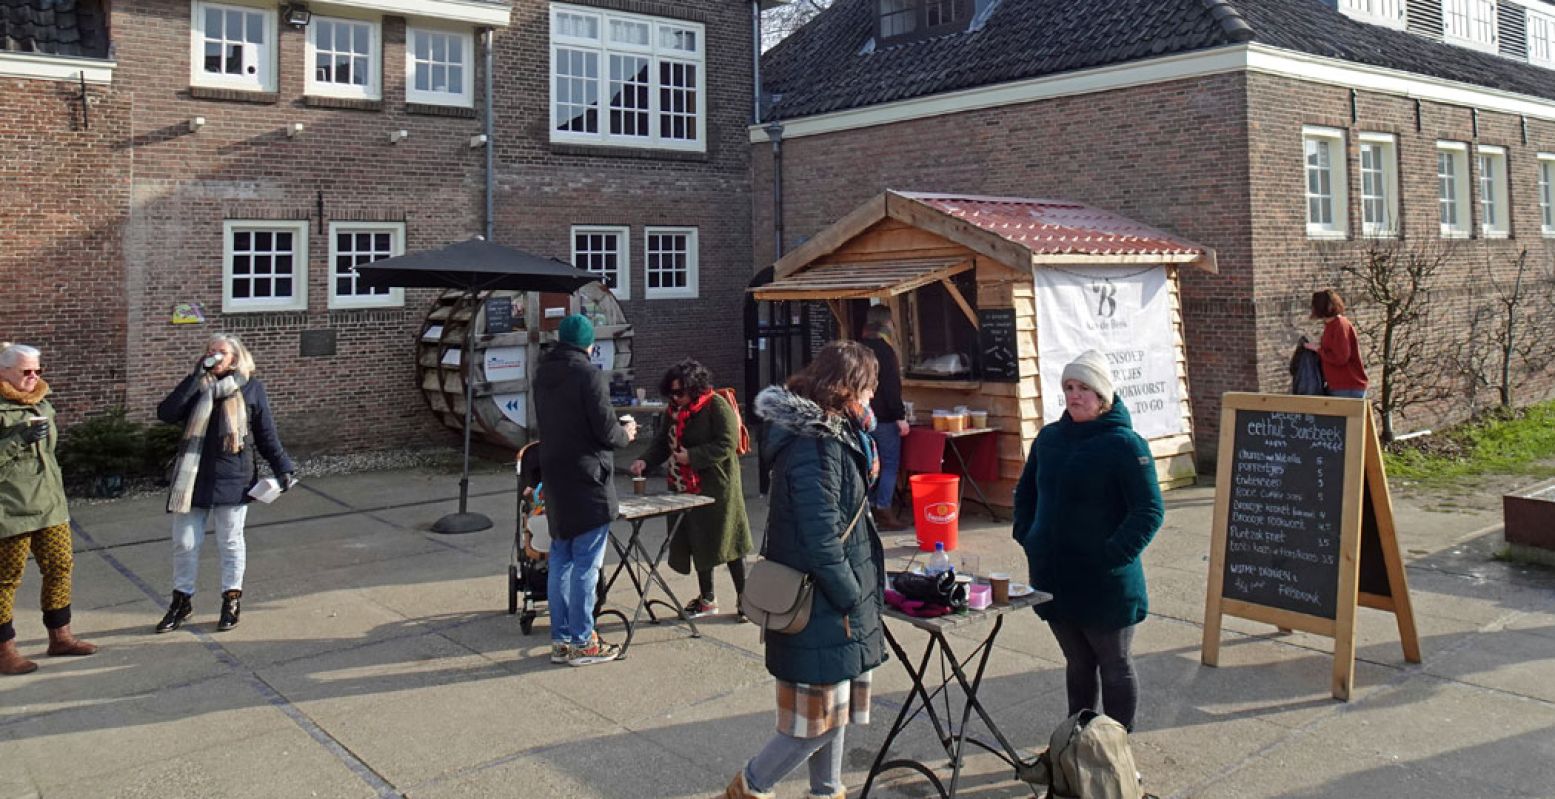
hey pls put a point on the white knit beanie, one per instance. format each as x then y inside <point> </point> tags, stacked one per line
<point>1091,369</point>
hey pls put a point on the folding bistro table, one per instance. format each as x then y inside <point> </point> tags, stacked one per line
<point>641,566</point>
<point>925,690</point>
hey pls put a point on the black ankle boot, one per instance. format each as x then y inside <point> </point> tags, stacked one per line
<point>230,608</point>
<point>178,610</point>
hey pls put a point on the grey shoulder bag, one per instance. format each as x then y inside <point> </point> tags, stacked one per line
<point>778,598</point>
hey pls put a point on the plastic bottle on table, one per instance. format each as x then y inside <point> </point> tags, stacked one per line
<point>939,562</point>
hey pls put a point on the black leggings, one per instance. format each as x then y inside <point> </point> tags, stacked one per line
<point>736,573</point>
<point>1089,651</point>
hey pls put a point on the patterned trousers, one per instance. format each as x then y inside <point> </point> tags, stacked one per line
<point>51,548</point>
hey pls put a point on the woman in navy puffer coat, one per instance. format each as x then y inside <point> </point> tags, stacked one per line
<point>817,438</point>
<point>1086,506</point>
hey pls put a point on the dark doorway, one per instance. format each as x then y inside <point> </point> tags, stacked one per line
<point>777,344</point>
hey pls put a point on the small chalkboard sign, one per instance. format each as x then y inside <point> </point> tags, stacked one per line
<point>499,314</point>
<point>1303,526</point>
<point>1000,359</point>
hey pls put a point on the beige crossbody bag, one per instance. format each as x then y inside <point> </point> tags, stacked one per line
<point>778,598</point>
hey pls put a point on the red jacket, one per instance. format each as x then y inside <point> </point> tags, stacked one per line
<point>1341,356</point>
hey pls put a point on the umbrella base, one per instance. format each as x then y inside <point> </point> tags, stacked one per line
<point>455,523</point>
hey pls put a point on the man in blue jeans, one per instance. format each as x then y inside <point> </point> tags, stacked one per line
<point>580,435</point>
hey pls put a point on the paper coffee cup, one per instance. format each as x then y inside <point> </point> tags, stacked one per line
<point>1001,587</point>
<point>639,485</point>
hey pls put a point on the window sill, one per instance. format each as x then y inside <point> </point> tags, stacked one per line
<point>1495,234</point>
<point>429,109</point>
<point>1456,234</point>
<point>617,151</point>
<point>681,295</point>
<point>350,103</point>
<point>952,385</point>
<point>234,95</point>
<point>1327,235</point>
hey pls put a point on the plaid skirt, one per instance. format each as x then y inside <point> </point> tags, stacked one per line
<point>810,711</point>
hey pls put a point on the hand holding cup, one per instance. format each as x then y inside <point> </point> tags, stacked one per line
<point>37,429</point>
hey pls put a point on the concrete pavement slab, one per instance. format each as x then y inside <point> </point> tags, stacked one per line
<point>623,765</point>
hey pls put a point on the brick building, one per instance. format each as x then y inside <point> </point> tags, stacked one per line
<point>242,157</point>
<point>1289,135</point>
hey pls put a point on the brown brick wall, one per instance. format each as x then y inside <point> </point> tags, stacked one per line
<point>119,223</point>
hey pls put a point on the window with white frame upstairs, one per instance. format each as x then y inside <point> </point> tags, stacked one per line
<point>1541,38</point>
<point>232,47</point>
<point>1494,207</point>
<point>1471,23</point>
<point>1377,12</point>
<point>1547,193</point>
<point>898,21</point>
<point>438,66</point>
<point>1452,188</point>
<point>1379,184</point>
<point>1325,182</point>
<point>344,58</point>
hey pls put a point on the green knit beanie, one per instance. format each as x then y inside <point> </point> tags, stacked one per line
<point>578,331</point>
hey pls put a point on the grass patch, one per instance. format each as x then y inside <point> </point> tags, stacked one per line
<point>1518,442</point>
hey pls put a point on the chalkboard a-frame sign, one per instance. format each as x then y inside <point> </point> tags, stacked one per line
<point>1303,526</point>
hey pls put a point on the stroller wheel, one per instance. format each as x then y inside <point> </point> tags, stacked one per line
<point>513,591</point>
<point>526,622</point>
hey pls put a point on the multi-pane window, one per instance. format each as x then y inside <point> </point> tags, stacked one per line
<point>1379,185</point>
<point>670,262</point>
<point>898,18</point>
<point>1541,32</point>
<point>1325,193</point>
<point>352,244</point>
<point>626,79</point>
<point>265,266</point>
<point>1385,12</point>
<point>905,20</point>
<point>1470,22</point>
<point>1547,193</point>
<point>604,251</point>
<point>1494,210</point>
<point>343,58</point>
<point>233,47</point>
<point>1452,188</point>
<point>438,69</point>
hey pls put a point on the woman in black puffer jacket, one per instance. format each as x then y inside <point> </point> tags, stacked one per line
<point>823,462</point>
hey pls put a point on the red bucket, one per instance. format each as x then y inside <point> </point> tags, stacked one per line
<point>936,508</point>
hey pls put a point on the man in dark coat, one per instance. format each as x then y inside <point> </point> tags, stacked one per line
<point>580,433</point>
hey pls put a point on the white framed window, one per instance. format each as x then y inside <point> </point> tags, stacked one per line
<point>265,266</point>
<point>1494,208</point>
<point>1541,37</point>
<point>344,57</point>
<point>1377,12</point>
<point>605,251</point>
<point>1326,194</point>
<point>232,47</point>
<point>1379,184</point>
<point>669,262</point>
<point>1547,193</point>
<point>439,67</point>
<point>1471,23</point>
<point>627,79</point>
<point>352,244</point>
<point>1452,188</point>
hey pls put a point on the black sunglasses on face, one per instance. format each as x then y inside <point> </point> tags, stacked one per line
<point>38,372</point>
<point>677,392</point>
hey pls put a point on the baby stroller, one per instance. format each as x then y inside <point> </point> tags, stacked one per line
<point>527,568</point>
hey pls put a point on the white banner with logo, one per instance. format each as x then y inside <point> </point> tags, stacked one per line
<point>1124,312</point>
<point>506,363</point>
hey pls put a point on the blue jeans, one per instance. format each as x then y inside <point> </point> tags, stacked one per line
<point>574,575</point>
<point>189,532</point>
<point>784,753</point>
<point>1348,393</point>
<point>888,442</point>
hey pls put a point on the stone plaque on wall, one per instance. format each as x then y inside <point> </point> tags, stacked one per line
<point>317,343</point>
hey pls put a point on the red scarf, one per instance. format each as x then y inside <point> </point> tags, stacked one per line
<point>682,478</point>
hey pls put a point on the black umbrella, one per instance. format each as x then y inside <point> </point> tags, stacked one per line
<point>473,266</point>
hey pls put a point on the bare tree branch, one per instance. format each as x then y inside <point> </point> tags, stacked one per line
<point>777,23</point>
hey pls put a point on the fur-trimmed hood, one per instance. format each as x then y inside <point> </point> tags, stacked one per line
<point>790,416</point>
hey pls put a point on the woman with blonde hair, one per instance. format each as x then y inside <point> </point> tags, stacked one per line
<point>33,512</point>
<point>225,413</point>
<point>823,461</point>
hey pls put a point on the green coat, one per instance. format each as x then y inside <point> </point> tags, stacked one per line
<point>715,534</point>
<point>1086,506</point>
<point>32,493</point>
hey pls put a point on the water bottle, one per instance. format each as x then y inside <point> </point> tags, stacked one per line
<point>939,562</point>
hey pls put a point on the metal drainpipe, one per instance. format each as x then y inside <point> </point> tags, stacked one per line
<point>774,132</point>
<point>755,62</point>
<point>491,142</point>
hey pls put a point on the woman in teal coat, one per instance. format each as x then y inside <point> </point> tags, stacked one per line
<point>817,437</point>
<point>1086,506</point>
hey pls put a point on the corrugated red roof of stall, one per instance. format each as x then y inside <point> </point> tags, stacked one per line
<point>1059,227</point>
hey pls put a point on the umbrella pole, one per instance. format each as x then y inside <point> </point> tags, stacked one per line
<point>464,522</point>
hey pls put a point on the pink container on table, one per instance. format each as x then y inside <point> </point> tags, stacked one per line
<point>979,596</point>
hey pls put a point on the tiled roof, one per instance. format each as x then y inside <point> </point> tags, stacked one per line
<point>54,27</point>
<point>826,65</point>
<point>1059,227</point>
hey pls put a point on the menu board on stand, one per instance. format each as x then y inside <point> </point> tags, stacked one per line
<point>1303,526</point>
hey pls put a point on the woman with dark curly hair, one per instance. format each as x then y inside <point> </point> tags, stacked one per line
<point>698,440</point>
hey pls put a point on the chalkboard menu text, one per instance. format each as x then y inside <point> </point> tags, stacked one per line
<point>996,344</point>
<point>499,314</point>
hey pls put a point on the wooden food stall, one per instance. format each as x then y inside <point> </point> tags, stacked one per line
<point>992,296</point>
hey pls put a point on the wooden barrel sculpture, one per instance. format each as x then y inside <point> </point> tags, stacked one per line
<point>503,333</point>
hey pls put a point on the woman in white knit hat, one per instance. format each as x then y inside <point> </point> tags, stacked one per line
<point>1086,506</point>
